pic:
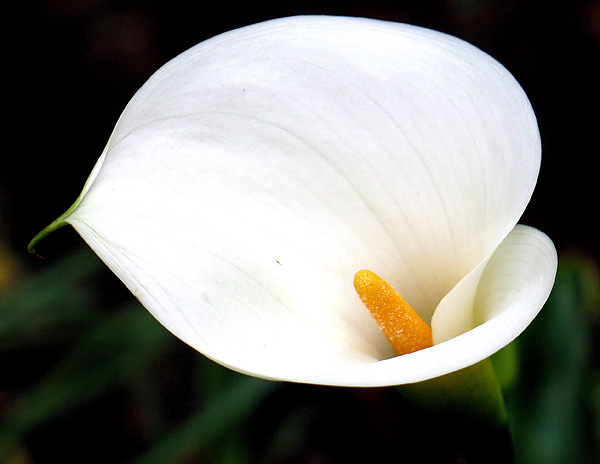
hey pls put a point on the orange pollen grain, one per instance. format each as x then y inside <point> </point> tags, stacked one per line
<point>401,325</point>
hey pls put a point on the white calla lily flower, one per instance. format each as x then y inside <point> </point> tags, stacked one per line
<point>252,176</point>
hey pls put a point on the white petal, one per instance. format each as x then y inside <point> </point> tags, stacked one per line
<point>252,176</point>
<point>490,288</point>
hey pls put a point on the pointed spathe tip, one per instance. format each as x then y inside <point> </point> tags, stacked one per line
<point>54,225</point>
<point>57,224</point>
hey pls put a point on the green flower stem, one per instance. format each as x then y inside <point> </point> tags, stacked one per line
<point>470,405</point>
<point>473,393</point>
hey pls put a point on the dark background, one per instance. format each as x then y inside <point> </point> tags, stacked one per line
<point>72,65</point>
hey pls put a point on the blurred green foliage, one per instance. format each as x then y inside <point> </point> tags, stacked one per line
<point>551,381</point>
<point>85,381</point>
<point>94,352</point>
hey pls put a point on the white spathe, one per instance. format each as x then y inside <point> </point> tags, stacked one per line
<point>253,175</point>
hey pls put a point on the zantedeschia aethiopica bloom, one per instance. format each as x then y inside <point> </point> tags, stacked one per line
<point>252,176</point>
